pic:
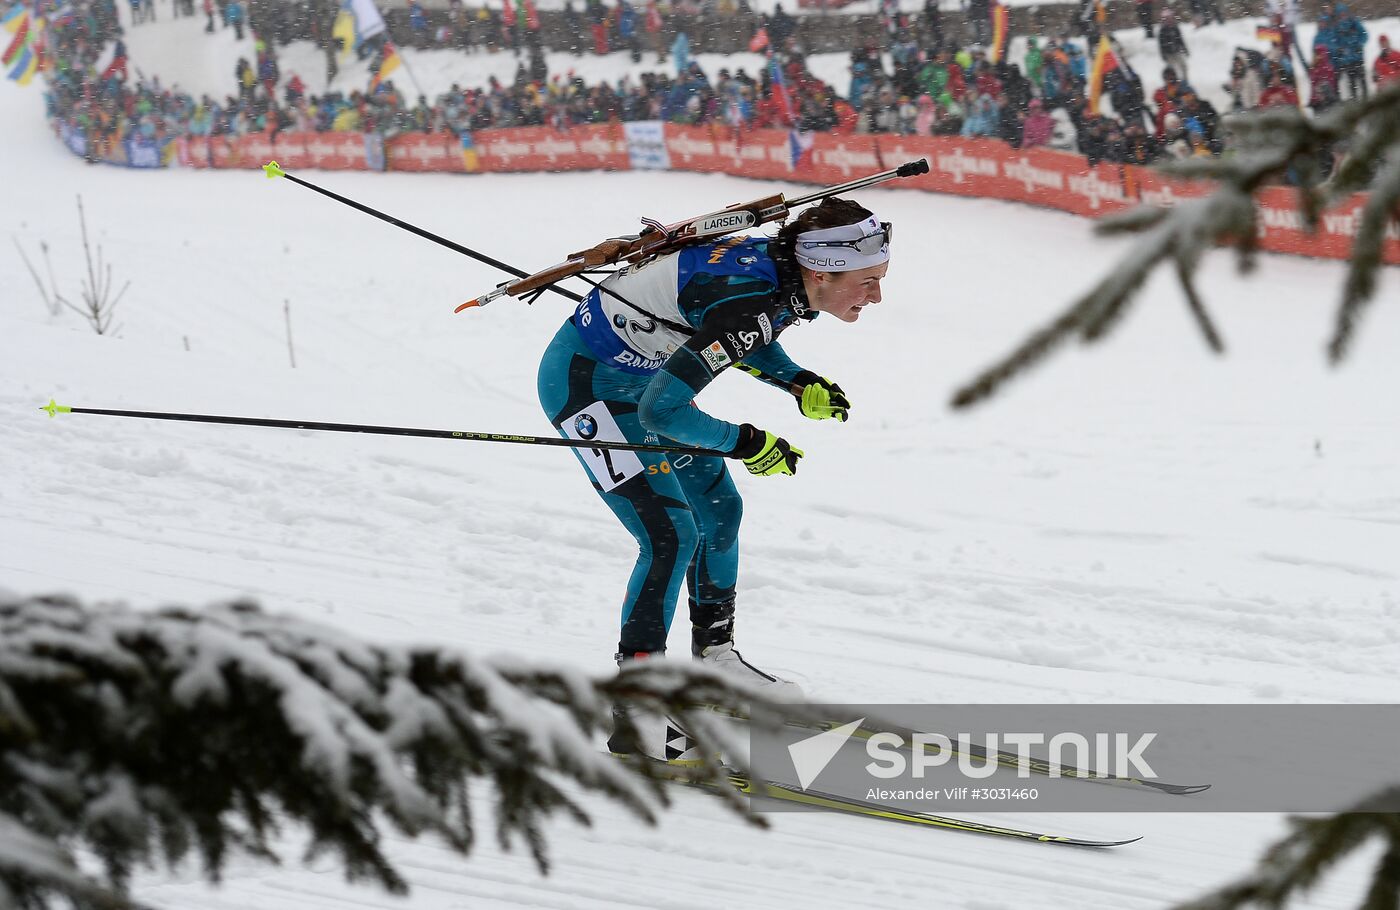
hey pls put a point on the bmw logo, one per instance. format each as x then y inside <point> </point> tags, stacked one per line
<point>747,260</point>
<point>620,321</point>
<point>586,426</point>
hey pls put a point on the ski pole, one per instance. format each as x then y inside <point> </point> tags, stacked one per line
<point>273,169</point>
<point>54,408</point>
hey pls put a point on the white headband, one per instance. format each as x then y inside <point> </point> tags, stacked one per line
<point>829,249</point>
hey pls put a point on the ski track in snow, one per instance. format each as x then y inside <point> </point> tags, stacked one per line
<point>1134,522</point>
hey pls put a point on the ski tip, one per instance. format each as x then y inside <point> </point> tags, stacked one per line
<point>273,169</point>
<point>475,301</point>
<point>54,407</point>
<point>1082,842</point>
<point>1183,789</point>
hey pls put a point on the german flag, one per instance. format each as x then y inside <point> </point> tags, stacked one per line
<point>1105,62</point>
<point>387,65</point>
<point>1001,31</point>
<point>1269,33</point>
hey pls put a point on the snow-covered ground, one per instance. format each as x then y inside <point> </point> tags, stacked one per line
<point>1136,522</point>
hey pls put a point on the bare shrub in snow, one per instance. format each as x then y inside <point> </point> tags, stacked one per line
<point>52,300</point>
<point>1271,143</point>
<point>149,737</point>
<point>98,305</point>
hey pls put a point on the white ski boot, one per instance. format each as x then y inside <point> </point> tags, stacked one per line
<point>712,643</point>
<point>727,660</point>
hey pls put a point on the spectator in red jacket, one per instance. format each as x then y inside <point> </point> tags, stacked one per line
<point>987,83</point>
<point>1167,98</point>
<point>1387,68</point>
<point>1278,94</point>
<point>1039,127</point>
<point>1323,73</point>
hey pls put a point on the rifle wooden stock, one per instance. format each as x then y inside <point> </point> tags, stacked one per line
<point>656,240</point>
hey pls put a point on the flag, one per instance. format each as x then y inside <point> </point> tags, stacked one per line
<point>17,16</point>
<point>532,15</point>
<point>1269,33</point>
<point>25,67</point>
<point>780,89</point>
<point>1001,31</point>
<point>1105,62</point>
<point>19,27</point>
<point>387,64</point>
<point>21,57</point>
<point>759,40</point>
<point>800,147</point>
<point>469,159</point>
<point>680,52</point>
<point>117,64</point>
<point>357,22</point>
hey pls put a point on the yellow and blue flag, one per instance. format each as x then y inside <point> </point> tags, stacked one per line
<point>357,22</point>
<point>469,159</point>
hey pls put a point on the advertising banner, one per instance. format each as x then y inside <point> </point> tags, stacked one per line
<point>424,152</point>
<point>74,139</point>
<point>1282,229</point>
<point>646,145</point>
<point>540,148</point>
<point>142,152</point>
<point>967,167</point>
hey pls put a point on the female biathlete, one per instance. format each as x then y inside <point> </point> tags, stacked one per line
<point>628,365</point>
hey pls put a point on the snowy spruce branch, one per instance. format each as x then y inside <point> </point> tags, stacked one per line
<point>144,738</point>
<point>1294,864</point>
<point>1271,143</point>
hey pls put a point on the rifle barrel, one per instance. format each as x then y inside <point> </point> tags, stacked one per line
<point>904,170</point>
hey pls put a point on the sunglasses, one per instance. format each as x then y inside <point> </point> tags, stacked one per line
<point>868,245</point>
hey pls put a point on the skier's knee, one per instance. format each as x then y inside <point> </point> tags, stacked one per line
<point>725,516</point>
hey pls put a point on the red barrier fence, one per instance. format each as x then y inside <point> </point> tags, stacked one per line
<point>967,167</point>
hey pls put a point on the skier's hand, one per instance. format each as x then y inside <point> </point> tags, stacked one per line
<point>819,398</point>
<point>764,454</point>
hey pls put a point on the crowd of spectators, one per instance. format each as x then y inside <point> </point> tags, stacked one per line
<point>936,83</point>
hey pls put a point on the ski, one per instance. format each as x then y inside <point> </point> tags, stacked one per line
<point>1002,758</point>
<point>754,786</point>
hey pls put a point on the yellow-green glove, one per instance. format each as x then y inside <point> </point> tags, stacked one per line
<point>820,398</point>
<point>764,454</point>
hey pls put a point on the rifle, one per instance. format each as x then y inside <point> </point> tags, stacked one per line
<point>658,239</point>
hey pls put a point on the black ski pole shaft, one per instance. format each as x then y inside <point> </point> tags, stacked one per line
<point>272,169</point>
<point>467,435</point>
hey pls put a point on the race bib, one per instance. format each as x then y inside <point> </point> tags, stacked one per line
<point>609,467</point>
